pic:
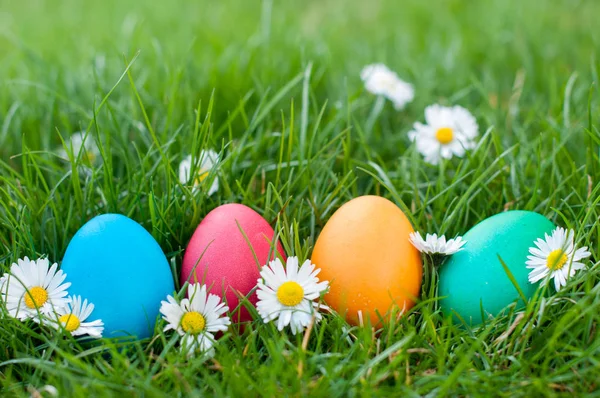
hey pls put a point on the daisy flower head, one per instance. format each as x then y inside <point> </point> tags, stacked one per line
<point>35,287</point>
<point>196,319</point>
<point>432,244</point>
<point>380,80</point>
<point>556,255</point>
<point>78,142</point>
<point>289,294</point>
<point>206,161</point>
<point>448,132</point>
<point>73,316</point>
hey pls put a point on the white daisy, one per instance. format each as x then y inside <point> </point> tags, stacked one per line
<point>196,318</point>
<point>449,131</point>
<point>72,319</point>
<point>35,288</point>
<point>380,80</point>
<point>77,144</point>
<point>289,294</point>
<point>207,161</point>
<point>434,245</point>
<point>555,255</point>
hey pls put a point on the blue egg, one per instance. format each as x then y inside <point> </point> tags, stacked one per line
<point>114,263</point>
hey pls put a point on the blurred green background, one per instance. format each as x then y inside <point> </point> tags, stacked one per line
<point>59,58</point>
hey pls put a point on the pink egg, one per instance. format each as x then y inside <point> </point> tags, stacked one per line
<point>222,258</point>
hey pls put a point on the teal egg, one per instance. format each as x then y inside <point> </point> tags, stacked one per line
<point>473,279</point>
<point>114,263</point>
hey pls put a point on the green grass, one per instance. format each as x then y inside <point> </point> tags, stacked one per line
<point>274,87</point>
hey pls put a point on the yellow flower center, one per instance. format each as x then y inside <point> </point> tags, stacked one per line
<point>556,260</point>
<point>36,297</point>
<point>91,157</point>
<point>70,322</point>
<point>445,135</point>
<point>193,322</point>
<point>202,174</point>
<point>290,293</point>
<point>390,82</point>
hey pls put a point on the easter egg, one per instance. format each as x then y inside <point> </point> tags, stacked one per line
<point>226,253</point>
<point>473,280</point>
<point>365,253</point>
<point>114,263</point>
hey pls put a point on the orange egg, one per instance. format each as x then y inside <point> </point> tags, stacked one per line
<point>365,253</point>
